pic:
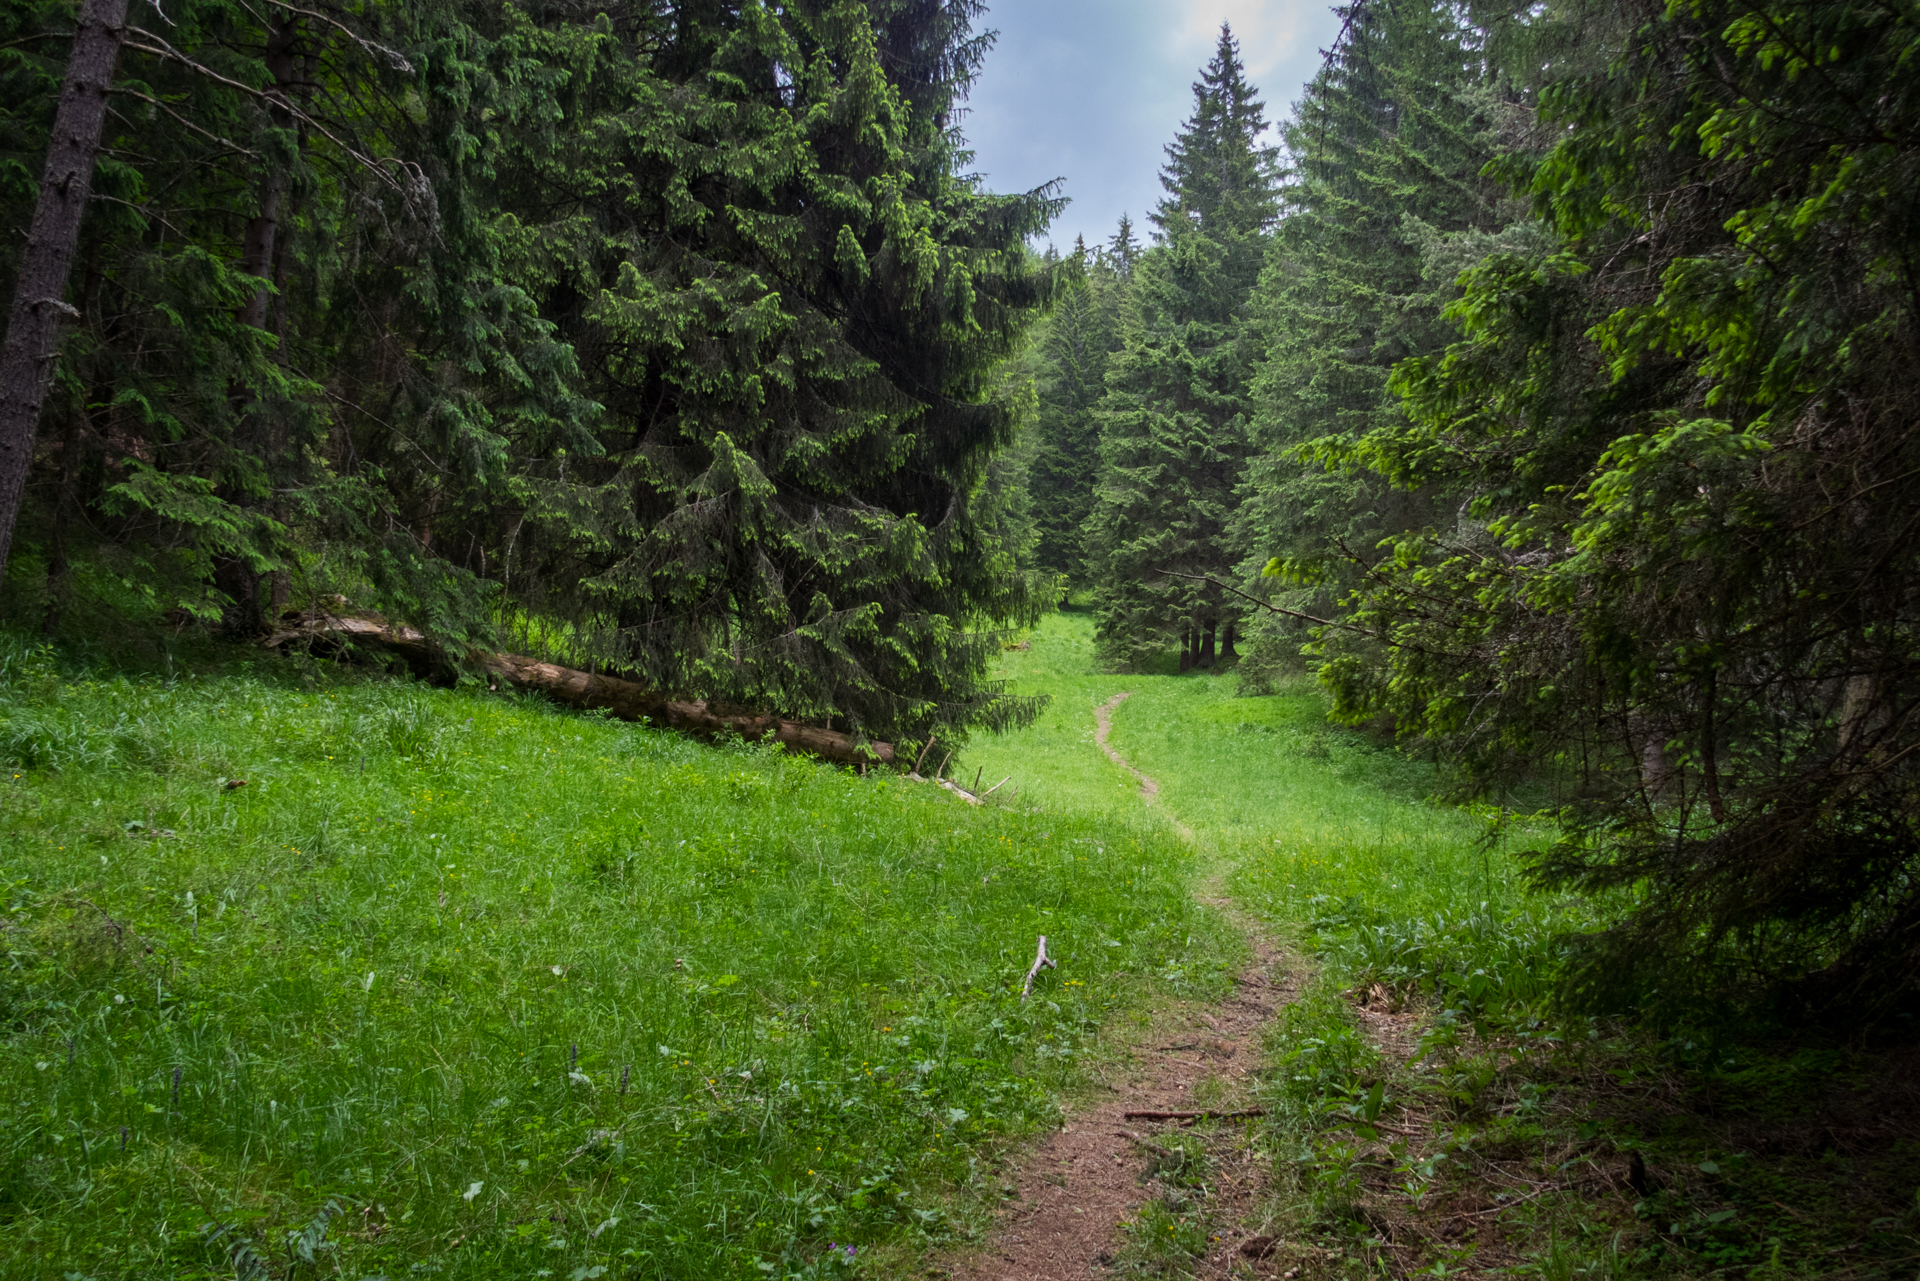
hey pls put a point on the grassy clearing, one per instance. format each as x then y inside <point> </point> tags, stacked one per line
<point>455,985</point>
<point>1430,1114</point>
<point>1315,826</point>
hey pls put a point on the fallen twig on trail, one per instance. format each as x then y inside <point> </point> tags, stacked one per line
<point>626,700</point>
<point>1040,960</point>
<point>1379,1125</point>
<point>1185,1117</point>
<point>996,787</point>
<point>1475,1214</point>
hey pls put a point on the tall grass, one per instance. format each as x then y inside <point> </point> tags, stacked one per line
<point>305,974</point>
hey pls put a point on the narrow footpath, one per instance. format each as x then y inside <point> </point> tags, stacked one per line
<point>1074,1190</point>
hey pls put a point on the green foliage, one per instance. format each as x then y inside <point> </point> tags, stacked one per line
<point>1074,347</point>
<point>678,334</point>
<point>792,310</point>
<point>459,982</point>
<point>1677,435</point>
<point>1385,207</point>
<point>1173,421</point>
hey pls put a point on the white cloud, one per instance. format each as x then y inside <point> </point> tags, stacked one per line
<point>1091,90</point>
<point>1271,32</point>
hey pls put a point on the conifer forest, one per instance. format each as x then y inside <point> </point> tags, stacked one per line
<point>577,589</point>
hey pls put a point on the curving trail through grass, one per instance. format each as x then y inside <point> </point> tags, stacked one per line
<point>1429,1110</point>
<point>295,961</point>
<point>1283,815</point>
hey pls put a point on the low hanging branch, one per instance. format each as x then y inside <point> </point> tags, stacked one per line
<point>1290,613</point>
<point>589,691</point>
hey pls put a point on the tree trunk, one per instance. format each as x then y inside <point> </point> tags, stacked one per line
<point>1186,645</point>
<point>243,616</point>
<point>625,700</point>
<point>1206,645</point>
<point>261,255</point>
<point>1227,651</point>
<point>33,325</point>
<point>257,245</point>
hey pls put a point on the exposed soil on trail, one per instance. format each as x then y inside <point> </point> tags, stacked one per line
<point>1062,1221</point>
<point>1103,730</point>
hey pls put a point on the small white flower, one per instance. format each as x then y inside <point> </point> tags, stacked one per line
<point>559,969</point>
<point>119,1000</point>
<point>43,1065</point>
<point>473,1190</point>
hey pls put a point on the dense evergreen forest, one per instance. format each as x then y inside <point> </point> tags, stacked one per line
<point>1536,380</point>
<point>1538,383</point>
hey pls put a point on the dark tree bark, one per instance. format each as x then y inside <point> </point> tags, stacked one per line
<point>243,616</point>
<point>261,239</point>
<point>1206,645</point>
<point>1227,651</point>
<point>1186,646</point>
<point>33,325</point>
<point>262,254</point>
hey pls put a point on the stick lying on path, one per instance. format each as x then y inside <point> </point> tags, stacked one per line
<point>1040,959</point>
<point>1188,1117</point>
<point>626,700</point>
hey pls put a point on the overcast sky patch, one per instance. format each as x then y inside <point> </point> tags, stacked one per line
<point>1090,91</point>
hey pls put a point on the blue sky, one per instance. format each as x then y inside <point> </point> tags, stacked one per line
<point>1091,90</point>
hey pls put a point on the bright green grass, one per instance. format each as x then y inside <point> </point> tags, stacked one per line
<point>1302,808</point>
<point>1311,824</point>
<point>533,994</point>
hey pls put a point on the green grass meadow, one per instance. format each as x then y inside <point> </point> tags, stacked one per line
<point>1331,835</point>
<point>310,972</point>
<point>463,986</point>
<point>1309,820</point>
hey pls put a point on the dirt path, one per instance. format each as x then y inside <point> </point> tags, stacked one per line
<point>1075,1187</point>
<point>1103,730</point>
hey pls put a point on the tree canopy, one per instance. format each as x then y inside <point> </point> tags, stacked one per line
<point>663,338</point>
<point>1548,388</point>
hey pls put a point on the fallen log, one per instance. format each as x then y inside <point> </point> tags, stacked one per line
<point>589,691</point>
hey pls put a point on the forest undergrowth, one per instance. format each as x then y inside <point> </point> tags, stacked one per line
<point>1429,1111</point>
<point>311,972</point>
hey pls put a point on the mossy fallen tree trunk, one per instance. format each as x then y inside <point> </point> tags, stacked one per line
<point>589,691</point>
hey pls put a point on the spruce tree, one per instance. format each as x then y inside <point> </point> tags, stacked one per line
<point>669,343</point>
<point>1385,206</point>
<point>1074,348</point>
<point>1676,574</point>
<point>1173,420</point>
<point>792,308</point>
